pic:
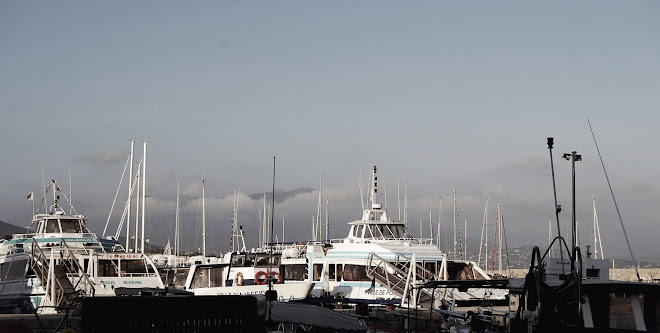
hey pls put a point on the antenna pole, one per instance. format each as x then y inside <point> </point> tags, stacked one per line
<point>557,207</point>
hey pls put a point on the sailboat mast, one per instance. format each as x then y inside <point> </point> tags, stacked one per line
<point>455,217</point>
<point>176,221</point>
<point>484,234</point>
<point>204,222</point>
<point>431,220</point>
<point>144,188</point>
<point>398,197</point>
<point>234,229</point>
<point>500,232</point>
<point>327,223</point>
<point>439,223</point>
<point>374,190</point>
<point>552,250</point>
<point>405,203</point>
<point>130,193</point>
<point>137,205</point>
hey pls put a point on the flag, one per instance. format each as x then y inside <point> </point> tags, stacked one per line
<point>30,196</point>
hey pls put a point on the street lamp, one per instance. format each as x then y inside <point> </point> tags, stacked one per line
<point>573,157</point>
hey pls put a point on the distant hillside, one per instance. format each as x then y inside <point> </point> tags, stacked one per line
<point>9,229</point>
<point>281,196</point>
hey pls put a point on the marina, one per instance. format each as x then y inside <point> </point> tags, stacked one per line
<point>379,278</point>
<point>318,167</point>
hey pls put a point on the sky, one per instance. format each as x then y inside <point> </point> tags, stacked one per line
<point>440,95</point>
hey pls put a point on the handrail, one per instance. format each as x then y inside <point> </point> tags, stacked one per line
<point>88,285</point>
<point>41,268</point>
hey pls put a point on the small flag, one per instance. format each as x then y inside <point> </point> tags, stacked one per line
<point>30,196</point>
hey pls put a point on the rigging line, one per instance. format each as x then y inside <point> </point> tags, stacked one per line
<point>116,195</point>
<point>635,263</point>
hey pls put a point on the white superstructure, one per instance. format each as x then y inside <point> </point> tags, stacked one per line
<point>354,267</point>
<point>61,261</point>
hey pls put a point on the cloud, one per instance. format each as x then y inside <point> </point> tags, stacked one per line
<point>103,158</point>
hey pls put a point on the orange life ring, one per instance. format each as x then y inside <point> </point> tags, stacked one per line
<point>261,278</point>
<point>277,276</point>
<point>239,279</point>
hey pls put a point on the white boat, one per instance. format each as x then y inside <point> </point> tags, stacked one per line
<point>62,261</point>
<point>244,274</point>
<point>372,263</point>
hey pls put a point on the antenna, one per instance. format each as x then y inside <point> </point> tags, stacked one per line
<point>551,142</point>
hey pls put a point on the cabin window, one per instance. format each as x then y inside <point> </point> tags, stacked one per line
<point>430,267</point>
<point>17,270</point>
<point>267,261</point>
<point>355,273</point>
<point>249,261</point>
<point>459,271</point>
<point>207,277</point>
<point>331,272</point>
<point>354,231</point>
<point>375,231</point>
<point>237,261</point>
<point>70,225</point>
<point>131,267</point>
<point>621,311</point>
<point>52,226</point>
<point>318,268</point>
<point>387,232</point>
<point>107,267</point>
<point>295,272</point>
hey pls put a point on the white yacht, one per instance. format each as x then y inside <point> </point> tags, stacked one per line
<point>62,261</point>
<point>244,274</point>
<point>372,263</point>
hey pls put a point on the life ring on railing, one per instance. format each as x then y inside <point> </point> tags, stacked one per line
<point>367,242</point>
<point>239,279</point>
<point>261,278</point>
<point>277,276</point>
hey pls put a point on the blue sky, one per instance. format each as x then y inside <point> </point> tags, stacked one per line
<point>444,94</point>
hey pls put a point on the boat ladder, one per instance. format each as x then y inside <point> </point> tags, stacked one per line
<point>61,274</point>
<point>397,278</point>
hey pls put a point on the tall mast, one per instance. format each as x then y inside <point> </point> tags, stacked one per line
<point>455,218</point>
<point>552,250</point>
<point>203,222</point>
<point>431,220</point>
<point>484,234</point>
<point>137,205</point>
<point>327,223</point>
<point>499,231</point>
<point>374,188</point>
<point>176,221</point>
<point>264,224</point>
<point>319,211</point>
<point>405,204</point>
<point>130,193</point>
<point>439,223</point>
<point>234,228</point>
<point>398,198</point>
<point>144,188</point>
<point>465,241</point>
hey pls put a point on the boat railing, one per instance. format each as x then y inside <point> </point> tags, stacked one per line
<point>83,283</point>
<point>58,285</point>
<point>401,240</point>
<point>139,274</point>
